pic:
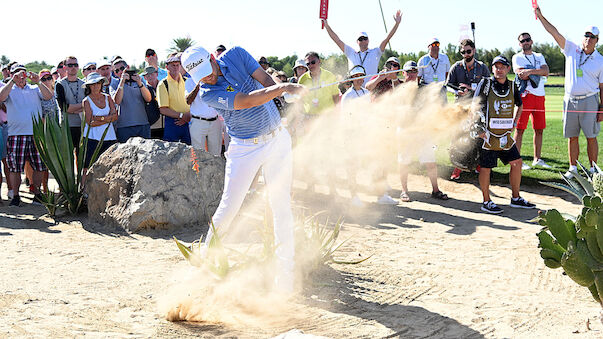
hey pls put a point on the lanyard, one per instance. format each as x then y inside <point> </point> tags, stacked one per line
<point>580,63</point>
<point>532,64</point>
<point>358,95</point>
<point>436,66</point>
<point>362,59</point>
<point>473,70</point>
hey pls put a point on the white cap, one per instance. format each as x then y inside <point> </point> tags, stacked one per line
<point>362,34</point>
<point>88,64</point>
<point>433,40</point>
<point>358,69</point>
<point>196,61</point>
<point>103,62</point>
<point>300,63</point>
<point>592,29</point>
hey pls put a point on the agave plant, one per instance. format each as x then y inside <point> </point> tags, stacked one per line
<point>53,140</point>
<point>213,256</point>
<point>579,186</point>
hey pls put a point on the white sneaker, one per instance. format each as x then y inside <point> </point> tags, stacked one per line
<point>568,175</point>
<point>356,201</point>
<point>540,163</point>
<point>11,194</point>
<point>525,166</point>
<point>386,200</point>
<point>592,170</point>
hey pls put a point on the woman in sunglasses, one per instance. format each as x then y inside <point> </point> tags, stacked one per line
<point>50,106</point>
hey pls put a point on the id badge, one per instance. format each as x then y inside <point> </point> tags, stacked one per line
<point>580,73</point>
<point>435,78</point>
<point>503,142</point>
<point>474,86</point>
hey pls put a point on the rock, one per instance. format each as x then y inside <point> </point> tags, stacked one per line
<point>146,183</point>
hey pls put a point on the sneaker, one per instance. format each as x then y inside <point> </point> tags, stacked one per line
<point>540,163</point>
<point>11,194</point>
<point>386,200</point>
<point>38,199</point>
<point>356,201</point>
<point>592,170</point>
<point>568,175</point>
<point>15,201</point>
<point>477,169</point>
<point>521,203</point>
<point>456,174</point>
<point>491,207</point>
<point>525,167</point>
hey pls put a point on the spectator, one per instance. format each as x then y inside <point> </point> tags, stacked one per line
<point>365,57</point>
<point>104,69</point>
<point>425,151</point>
<point>299,69</point>
<point>264,63</point>
<point>172,103</point>
<point>150,76</point>
<point>466,74</point>
<point>433,66</point>
<point>205,127</point>
<point>130,95</point>
<point>281,76</point>
<point>497,97</point>
<point>62,70</point>
<point>320,99</point>
<point>3,140</point>
<point>99,110</point>
<point>151,58</point>
<point>50,107</point>
<point>583,84</point>
<point>88,68</point>
<point>55,74</point>
<point>384,81</point>
<point>529,68</point>
<point>219,50</point>
<point>69,94</point>
<point>5,73</point>
<point>23,103</point>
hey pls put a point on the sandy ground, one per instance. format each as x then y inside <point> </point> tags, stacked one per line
<point>439,269</point>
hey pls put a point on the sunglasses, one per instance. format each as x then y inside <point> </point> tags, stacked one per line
<point>362,38</point>
<point>46,78</point>
<point>590,35</point>
<point>412,71</point>
<point>312,62</point>
<point>466,51</point>
<point>525,40</point>
<point>150,55</point>
<point>91,68</point>
<point>392,65</point>
<point>71,65</point>
<point>436,44</point>
<point>119,69</point>
<point>60,67</point>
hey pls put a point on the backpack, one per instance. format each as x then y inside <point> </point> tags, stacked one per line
<point>152,107</point>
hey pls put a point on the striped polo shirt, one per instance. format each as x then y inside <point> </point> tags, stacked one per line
<point>237,65</point>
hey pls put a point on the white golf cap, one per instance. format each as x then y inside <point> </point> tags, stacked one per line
<point>592,29</point>
<point>356,70</point>
<point>196,61</point>
<point>88,64</point>
<point>103,62</point>
<point>300,63</point>
<point>362,34</point>
<point>432,41</point>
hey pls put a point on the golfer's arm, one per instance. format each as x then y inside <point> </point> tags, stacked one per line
<point>335,38</point>
<point>262,77</point>
<point>388,37</point>
<point>257,97</point>
<point>552,30</point>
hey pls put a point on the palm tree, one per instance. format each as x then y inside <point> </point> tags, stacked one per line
<point>181,44</point>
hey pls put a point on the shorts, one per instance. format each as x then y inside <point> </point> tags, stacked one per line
<point>488,158</point>
<point>91,146</point>
<point>532,105</point>
<point>175,133</point>
<point>21,148</point>
<point>3,140</point>
<point>425,153</point>
<point>573,122</point>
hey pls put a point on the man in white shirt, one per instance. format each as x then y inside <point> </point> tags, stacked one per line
<point>583,92</point>
<point>530,67</point>
<point>205,127</point>
<point>365,57</point>
<point>433,66</point>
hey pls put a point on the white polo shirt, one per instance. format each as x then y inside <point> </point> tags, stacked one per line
<point>430,68</point>
<point>22,105</point>
<point>591,66</point>
<point>368,59</point>
<point>534,60</point>
<point>198,108</point>
<point>351,94</point>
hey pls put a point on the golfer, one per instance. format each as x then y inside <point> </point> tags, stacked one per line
<point>242,92</point>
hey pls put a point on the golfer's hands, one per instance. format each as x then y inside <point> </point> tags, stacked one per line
<point>293,88</point>
<point>398,17</point>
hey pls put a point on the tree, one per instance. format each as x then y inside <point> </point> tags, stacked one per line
<point>181,44</point>
<point>4,60</point>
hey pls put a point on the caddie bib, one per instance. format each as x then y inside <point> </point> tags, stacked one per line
<point>499,117</point>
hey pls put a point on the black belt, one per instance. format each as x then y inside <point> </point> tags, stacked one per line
<point>205,119</point>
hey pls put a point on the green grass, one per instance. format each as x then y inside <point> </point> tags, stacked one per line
<point>554,145</point>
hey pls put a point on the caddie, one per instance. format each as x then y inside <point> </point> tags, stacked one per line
<point>242,92</point>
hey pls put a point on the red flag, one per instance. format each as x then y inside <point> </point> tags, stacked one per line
<point>324,10</point>
<point>534,6</point>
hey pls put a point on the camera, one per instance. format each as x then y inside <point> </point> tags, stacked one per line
<point>131,73</point>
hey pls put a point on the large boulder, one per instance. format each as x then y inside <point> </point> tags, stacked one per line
<point>154,184</point>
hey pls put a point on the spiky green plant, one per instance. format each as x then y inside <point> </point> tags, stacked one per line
<point>213,256</point>
<point>53,140</point>
<point>578,186</point>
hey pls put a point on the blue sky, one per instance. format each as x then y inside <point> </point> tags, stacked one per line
<point>99,28</point>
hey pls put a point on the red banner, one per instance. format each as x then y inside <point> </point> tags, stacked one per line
<point>324,10</point>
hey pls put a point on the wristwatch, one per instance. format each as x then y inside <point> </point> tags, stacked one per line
<point>103,118</point>
<point>181,115</point>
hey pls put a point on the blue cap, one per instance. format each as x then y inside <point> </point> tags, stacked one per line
<point>502,60</point>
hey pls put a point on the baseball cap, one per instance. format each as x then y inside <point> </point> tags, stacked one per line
<point>363,34</point>
<point>592,29</point>
<point>300,63</point>
<point>53,70</point>
<point>356,70</point>
<point>196,61</point>
<point>148,70</point>
<point>6,66</point>
<point>432,41</point>
<point>393,59</point>
<point>263,60</point>
<point>502,60</point>
<point>149,52</point>
<point>44,72</point>
<point>102,63</point>
<point>409,66</point>
<point>117,61</point>
<point>88,64</point>
<point>220,48</point>
<point>17,67</point>
<point>174,58</point>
